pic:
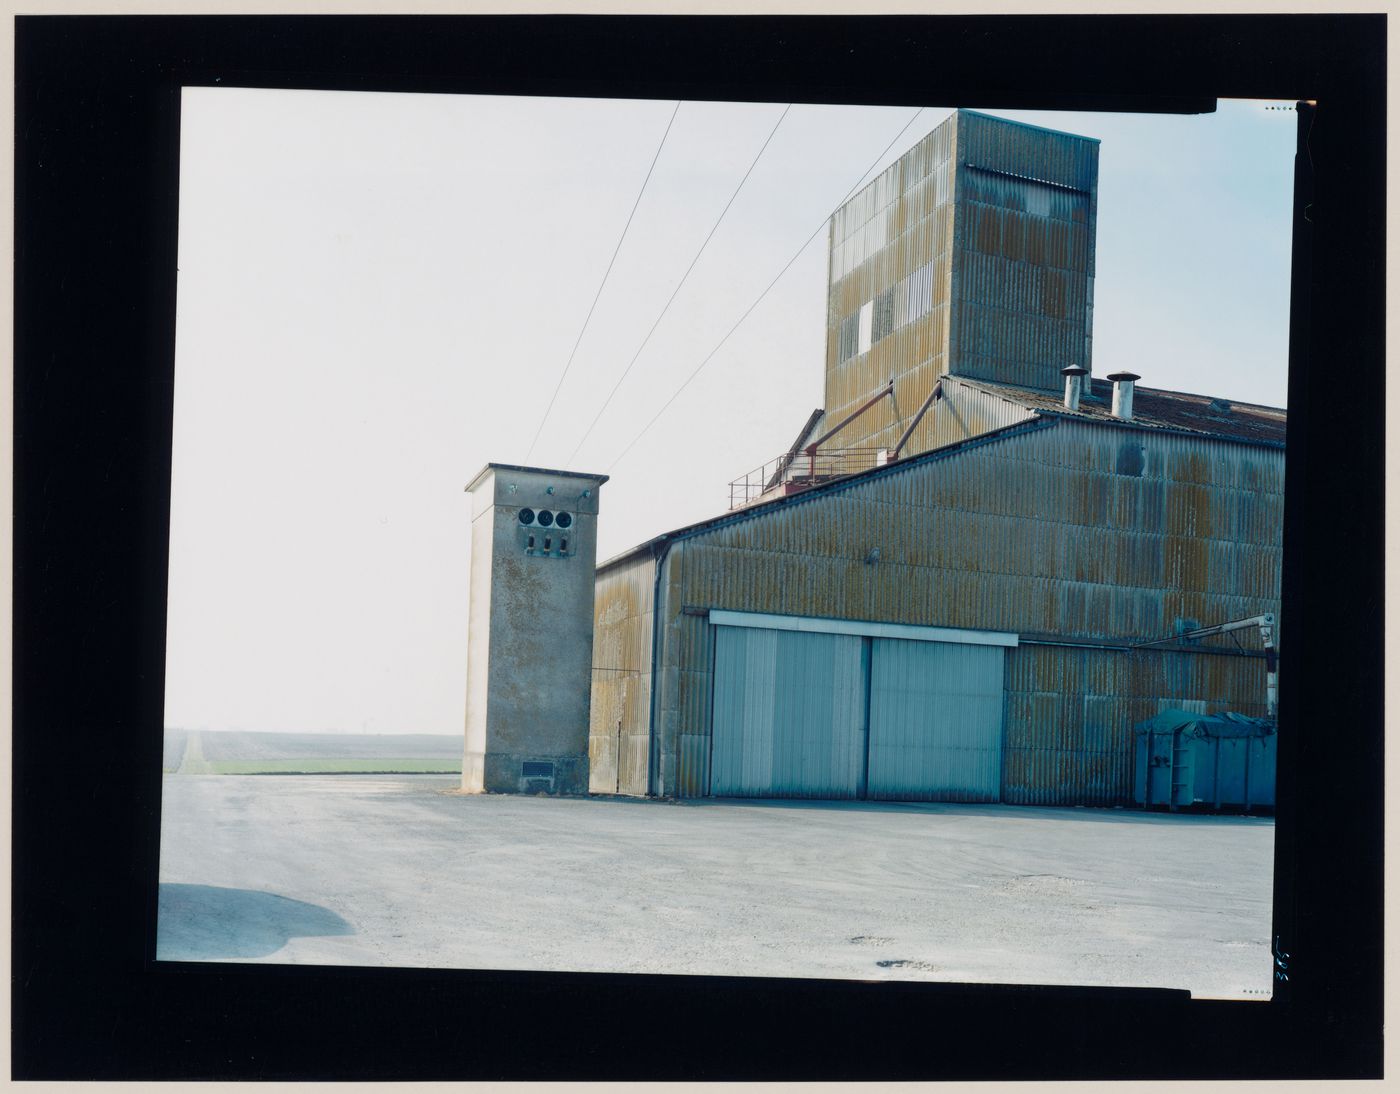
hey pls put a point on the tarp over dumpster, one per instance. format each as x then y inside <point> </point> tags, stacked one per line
<point>1226,724</point>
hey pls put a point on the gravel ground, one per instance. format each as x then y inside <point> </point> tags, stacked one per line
<point>399,870</point>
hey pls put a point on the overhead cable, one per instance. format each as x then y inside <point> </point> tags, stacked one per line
<point>599,293</point>
<point>587,432</point>
<point>860,182</point>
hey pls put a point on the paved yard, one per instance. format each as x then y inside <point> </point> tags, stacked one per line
<point>396,870</point>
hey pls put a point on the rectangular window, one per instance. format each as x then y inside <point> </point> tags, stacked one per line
<point>900,305</point>
<point>918,295</point>
<point>846,347</point>
<point>866,315</point>
<point>1037,199</point>
<point>882,315</point>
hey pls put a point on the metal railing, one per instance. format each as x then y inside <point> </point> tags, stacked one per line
<point>795,471</point>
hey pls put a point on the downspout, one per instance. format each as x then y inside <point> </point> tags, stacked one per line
<point>658,553</point>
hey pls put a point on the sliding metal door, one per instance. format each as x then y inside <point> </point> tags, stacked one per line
<point>935,721</point>
<point>789,714</point>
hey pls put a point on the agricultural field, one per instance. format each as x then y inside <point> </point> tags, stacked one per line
<point>230,752</point>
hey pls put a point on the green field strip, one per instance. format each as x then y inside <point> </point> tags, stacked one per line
<point>320,765</point>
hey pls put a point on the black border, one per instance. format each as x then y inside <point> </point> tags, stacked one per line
<point>96,201</point>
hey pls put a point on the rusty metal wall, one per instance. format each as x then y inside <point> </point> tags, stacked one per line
<point>1070,714</point>
<point>620,707</point>
<point>1052,530</point>
<point>971,254</point>
<point>893,238</point>
<point>1023,252</point>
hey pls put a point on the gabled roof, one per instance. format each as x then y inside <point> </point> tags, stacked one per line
<point>1154,408</point>
<point>758,509</point>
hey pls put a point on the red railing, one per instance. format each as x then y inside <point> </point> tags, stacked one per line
<point>792,472</point>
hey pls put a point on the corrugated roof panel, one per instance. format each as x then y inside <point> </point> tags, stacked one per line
<point>1155,408</point>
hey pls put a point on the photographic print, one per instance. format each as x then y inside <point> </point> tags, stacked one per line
<point>729,539</point>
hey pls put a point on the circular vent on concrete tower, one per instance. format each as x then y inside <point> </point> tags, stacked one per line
<point>527,516</point>
<point>563,520</point>
<point>545,517</point>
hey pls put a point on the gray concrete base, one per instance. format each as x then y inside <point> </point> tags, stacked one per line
<point>506,773</point>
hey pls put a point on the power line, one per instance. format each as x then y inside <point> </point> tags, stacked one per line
<point>587,432</point>
<point>599,293</point>
<point>765,292</point>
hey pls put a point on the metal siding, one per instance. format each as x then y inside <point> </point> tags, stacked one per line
<point>964,412</point>
<point>620,704</point>
<point>694,691</point>
<point>935,721</point>
<point>1026,208</point>
<point>894,237</point>
<point>1070,714</point>
<point>1030,533</point>
<point>1027,533</point>
<point>788,714</point>
<point>983,235</point>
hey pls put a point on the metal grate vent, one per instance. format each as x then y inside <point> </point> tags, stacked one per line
<point>537,769</point>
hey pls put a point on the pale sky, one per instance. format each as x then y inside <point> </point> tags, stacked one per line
<point>378,294</point>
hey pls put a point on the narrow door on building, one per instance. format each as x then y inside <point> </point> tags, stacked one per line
<point>935,721</point>
<point>789,714</point>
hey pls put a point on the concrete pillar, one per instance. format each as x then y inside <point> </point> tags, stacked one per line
<point>530,630</point>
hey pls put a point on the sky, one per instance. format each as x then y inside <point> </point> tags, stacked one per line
<point>380,293</point>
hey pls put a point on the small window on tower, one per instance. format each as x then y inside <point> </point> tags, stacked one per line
<point>882,315</point>
<point>847,345</point>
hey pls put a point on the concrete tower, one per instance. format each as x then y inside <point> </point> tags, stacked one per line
<point>530,638</point>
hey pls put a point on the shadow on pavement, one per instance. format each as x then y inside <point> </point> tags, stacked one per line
<point>210,923</point>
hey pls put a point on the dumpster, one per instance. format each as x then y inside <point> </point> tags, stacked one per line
<point>1220,760</point>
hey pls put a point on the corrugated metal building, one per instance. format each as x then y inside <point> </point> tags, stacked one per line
<point>956,623</point>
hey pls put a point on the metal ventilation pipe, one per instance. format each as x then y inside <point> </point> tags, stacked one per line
<point>1074,384</point>
<point>1123,394</point>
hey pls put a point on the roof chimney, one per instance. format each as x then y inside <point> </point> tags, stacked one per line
<point>1123,394</point>
<point>1074,384</point>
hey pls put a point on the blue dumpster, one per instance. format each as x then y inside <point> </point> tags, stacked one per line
<point>1220,760</point>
